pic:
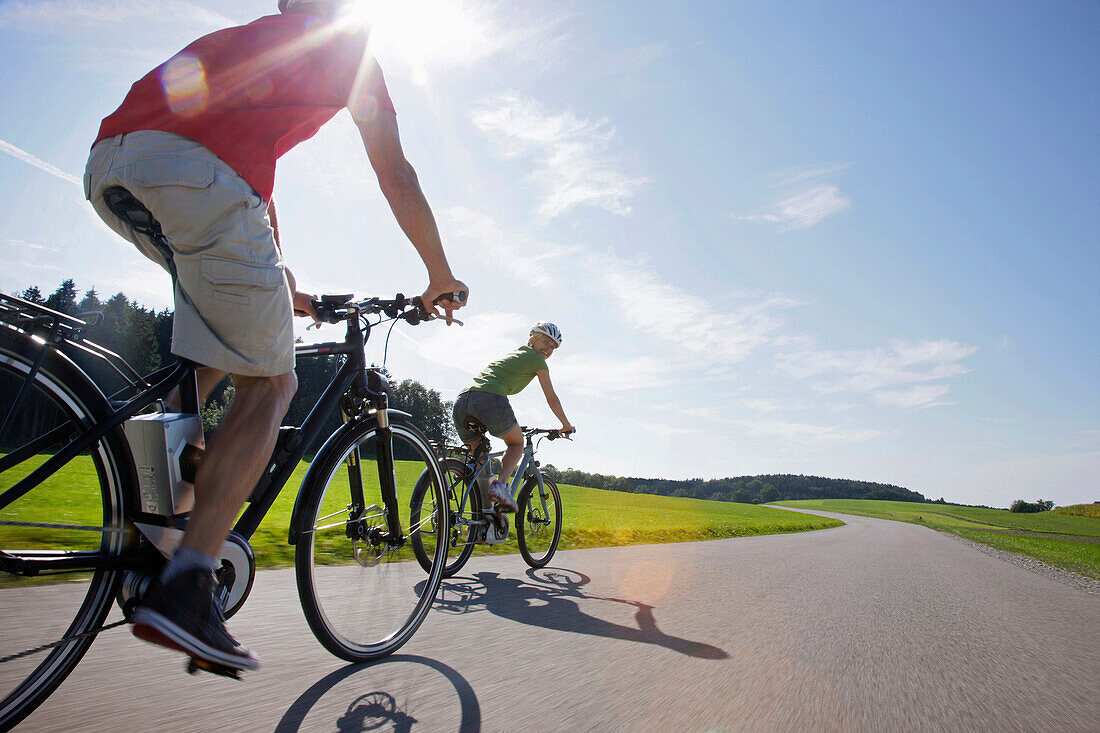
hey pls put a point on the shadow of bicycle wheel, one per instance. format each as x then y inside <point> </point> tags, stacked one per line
<point>394,693</point>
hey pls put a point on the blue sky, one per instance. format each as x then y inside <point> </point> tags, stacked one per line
<point>846,239</point>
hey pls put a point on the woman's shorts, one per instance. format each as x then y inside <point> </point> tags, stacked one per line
<point>491,410</point>
<point>233,305</point>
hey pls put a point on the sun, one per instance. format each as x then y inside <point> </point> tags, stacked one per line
<point>427,34</point>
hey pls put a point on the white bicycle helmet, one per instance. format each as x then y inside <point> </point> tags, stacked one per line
<point>549,330</point>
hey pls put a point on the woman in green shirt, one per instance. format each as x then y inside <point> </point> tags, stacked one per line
<point>486,400</point>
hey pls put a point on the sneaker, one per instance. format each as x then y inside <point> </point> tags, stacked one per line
<point>183,615</point>
<point>500,495</point>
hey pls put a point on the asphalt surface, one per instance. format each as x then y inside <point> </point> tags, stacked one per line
<point>874,626</point>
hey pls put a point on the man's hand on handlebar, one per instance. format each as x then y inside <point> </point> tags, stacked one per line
<point>450,295</point>
<point>303,302</point>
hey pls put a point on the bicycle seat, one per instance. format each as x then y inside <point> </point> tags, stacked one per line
<point>125,206</point>
<point>474,426</point>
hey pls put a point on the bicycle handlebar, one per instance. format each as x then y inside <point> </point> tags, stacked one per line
<point>550,433</point>
<point>336,308</point>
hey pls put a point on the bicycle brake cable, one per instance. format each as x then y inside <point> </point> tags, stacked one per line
<point>386,348</point>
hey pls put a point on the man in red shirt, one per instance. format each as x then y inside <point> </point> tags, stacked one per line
<point>195,141</point>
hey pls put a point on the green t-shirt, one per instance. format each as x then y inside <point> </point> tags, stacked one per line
<point>510,374</point>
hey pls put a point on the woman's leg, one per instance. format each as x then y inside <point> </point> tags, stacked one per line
<point>508,462</point>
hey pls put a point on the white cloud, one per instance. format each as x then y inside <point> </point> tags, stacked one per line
<point>686,330</point>
<point>603,373</point>
<point>920,396</point>
<point>804,209</point>
<point>805,433</point>
<point>536,262</point>
<point>67,17</point>
<point>872,370</point>
<point>700,332</point>
<point>573,166</point>
<point>30,159</point>
<point>809,172</point>
<point>30,246</point>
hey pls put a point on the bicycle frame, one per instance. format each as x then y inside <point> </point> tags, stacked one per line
<point>526,465</point>
<point>351,381</point>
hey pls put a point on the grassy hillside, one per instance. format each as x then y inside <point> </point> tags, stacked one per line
<point>1063,539</point>
<point>592,517</point>
<point>1080,510</point>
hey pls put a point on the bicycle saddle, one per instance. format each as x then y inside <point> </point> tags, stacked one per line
<point>474,426</point>
<point>125,206</point>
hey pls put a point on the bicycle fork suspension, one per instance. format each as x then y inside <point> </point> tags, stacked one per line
<point>387,477</point>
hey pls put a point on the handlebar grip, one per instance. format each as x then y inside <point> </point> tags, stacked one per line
<point>326,311</point>
<point>457,296</point>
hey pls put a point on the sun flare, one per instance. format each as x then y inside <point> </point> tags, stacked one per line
<point>428,33</point>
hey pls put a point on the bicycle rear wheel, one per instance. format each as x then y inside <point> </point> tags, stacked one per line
<point>364,596</point>
<point>538,521</point>
<point>462,535</point>
<point>75,516</point>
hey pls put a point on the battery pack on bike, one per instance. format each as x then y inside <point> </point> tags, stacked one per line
<point>164,446</point>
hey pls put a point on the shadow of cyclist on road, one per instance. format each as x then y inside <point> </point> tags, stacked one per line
<point>552,601</point>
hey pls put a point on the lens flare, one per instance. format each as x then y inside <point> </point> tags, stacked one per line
<point>184,82</point>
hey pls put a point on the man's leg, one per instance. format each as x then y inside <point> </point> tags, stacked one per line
<point>180,611</point>
<point>237,454</point>
<point>207,378</point>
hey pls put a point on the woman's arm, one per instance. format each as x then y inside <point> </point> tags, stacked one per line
<point>552,399</point>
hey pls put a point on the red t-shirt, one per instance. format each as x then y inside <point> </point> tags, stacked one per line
<point>253,92</point>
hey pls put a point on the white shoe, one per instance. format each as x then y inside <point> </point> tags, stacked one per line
<point>500,495</point>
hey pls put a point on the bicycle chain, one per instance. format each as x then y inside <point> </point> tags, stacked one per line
<point>66,640</point>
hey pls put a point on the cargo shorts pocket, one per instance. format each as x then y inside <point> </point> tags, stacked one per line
<point>173,171</point>
<point>236,283</point>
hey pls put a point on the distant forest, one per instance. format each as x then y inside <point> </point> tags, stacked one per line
<point>742,489</point>
<point>143,338</point>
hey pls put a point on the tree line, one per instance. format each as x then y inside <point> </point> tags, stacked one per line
<point>742,489</point>
<point>143,338</point>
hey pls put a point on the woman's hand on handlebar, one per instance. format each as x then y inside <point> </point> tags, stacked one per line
<point>449,295</point>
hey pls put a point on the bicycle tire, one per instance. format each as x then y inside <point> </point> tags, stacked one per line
<point>90,491</point>
<point>538,528</point>
<point>357,610</point>
<point>454,471</point>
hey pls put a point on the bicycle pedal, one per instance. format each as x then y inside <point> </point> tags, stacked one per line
<point>194,664</point>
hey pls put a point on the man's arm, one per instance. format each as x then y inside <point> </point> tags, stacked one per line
<point>400,186</point>
<point>552,399</point>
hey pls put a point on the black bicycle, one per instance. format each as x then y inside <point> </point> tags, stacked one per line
<point>81,500</point>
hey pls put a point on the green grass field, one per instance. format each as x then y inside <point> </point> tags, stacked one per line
<point>591,518</point>
<point>1065,539</point>
<point>1080,510</point>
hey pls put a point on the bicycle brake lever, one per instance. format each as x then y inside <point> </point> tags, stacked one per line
<point>448,319</point>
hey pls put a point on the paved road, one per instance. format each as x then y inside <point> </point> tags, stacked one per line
<point>874,626</point>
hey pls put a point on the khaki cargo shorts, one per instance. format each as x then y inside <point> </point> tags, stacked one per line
<point>233,303</point>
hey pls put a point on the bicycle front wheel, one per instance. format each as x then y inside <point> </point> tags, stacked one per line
<point>538,521</point>
<point>70,526</point>
<point>362,590</point>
